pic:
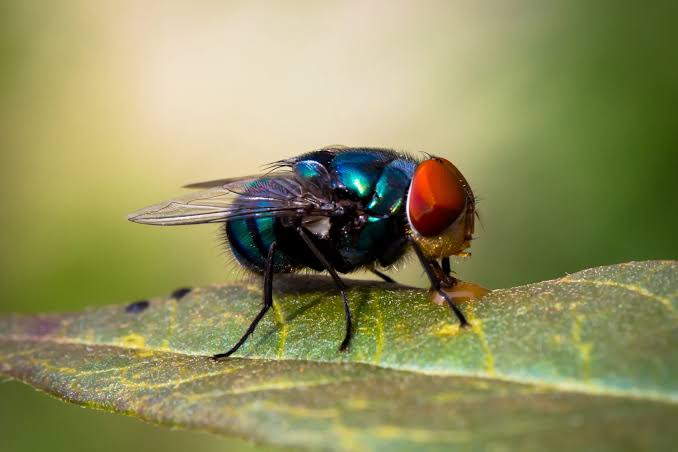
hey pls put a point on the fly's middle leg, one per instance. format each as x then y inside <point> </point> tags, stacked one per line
<point>337,280</point>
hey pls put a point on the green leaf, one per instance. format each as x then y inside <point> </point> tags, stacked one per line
<point>586,361</point>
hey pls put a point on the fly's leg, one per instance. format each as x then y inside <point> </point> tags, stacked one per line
<point>383,276</point>
<point>268,302</point>
<point>437,277</point>
<point>447,268</point>
<point>340,285</point>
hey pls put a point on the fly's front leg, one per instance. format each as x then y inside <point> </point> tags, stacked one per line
<point>439,279</point>
<point>447,268</point>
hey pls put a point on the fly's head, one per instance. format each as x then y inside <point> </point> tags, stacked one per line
<point>440,209</point>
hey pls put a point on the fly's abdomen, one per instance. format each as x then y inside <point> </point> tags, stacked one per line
<point>250,239</point>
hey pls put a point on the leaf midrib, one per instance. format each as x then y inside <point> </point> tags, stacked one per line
<point>560,386</point>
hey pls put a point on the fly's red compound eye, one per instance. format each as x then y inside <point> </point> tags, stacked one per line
<point>437,196</point>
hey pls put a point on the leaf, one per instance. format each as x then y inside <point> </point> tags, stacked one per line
<point>586,361</point>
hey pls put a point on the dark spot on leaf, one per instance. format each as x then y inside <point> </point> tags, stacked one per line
<point>137,306</point>
<point>181,292</point>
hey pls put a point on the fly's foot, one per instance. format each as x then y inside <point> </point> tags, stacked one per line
<point>461,292</point>
<point>219,357</point>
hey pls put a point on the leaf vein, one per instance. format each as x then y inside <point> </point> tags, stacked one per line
<point>665,301</point>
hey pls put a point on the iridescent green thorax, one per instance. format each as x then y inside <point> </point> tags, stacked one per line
<point>357,172</point>
<point>391,188</point>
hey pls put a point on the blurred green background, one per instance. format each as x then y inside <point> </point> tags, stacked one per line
<point>562,115</point>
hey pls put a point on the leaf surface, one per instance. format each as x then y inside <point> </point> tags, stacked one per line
<point>586,361</point>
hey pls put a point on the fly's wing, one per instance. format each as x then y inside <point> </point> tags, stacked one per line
<point>282,194</point>
<point>222,182</point>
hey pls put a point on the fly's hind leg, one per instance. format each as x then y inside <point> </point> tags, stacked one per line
<point>340,284</point>
<point>268,302</point>
<point>437,276</point>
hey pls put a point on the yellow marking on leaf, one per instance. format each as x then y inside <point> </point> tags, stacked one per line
<point>480,384</point>
<point>379,332</point>
<point>283,328</point>
<point>347,437</point>
<point>584,348</point>
<point>357,404</point>
<point>445,397</point>
<point>83,373</point>
<point>447,330</point>
<point>9,356</point>
<point>113,369</point>
<point>418,435</point>
<point>300,411</point>
<point>281,385</point>
<point>250,287</point>
<point>89,335</point>
<point>129,342</point>
<point>52,368</point>
<point>665,301</point>
<point>477,328</point>
<point>174,383</point>
<point>133,340</point>
<point>171,323</point>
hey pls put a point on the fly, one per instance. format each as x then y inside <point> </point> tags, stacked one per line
<point>338,210</point>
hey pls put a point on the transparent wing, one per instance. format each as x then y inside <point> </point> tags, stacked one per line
<point>256,196</point>
<point>222,182</point>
